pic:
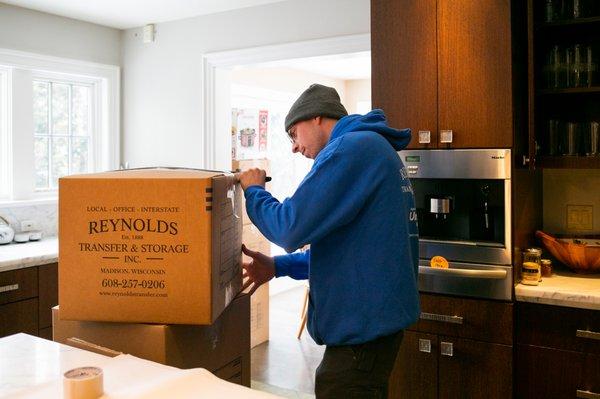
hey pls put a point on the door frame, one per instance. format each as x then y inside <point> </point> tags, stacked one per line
<point>215,81</point>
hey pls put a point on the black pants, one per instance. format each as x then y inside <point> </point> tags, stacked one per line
<point>357,371</point>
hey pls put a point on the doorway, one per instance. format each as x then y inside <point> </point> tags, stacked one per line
<point>252,97</point>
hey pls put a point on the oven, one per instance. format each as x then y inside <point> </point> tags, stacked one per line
<point>463,201</point>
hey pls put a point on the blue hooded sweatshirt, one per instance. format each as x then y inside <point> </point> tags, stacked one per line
<point>356,209</point>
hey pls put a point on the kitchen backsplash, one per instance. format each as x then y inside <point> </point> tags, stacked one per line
<point>44,216</point>
<point>572,201</point>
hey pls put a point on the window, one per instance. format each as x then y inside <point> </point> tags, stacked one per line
<point>4,142</point>
<point>63,131</point>
<point>57,117</point>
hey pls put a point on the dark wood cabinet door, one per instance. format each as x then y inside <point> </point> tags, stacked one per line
<point>404,65</point>
<point>415,372</point>
<point>591,374</point>
<point>48,290</point>
<point>474,73</point>
<point>472,369</point>
<point>19,317</point>
<point>548,373</point>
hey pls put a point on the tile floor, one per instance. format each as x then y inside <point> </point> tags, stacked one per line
<point>286,365</point>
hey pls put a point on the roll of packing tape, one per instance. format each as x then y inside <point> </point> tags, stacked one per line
<point>83,383</point>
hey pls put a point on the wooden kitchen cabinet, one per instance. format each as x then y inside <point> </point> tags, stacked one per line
<point>26,299</point>
<point>440,65</point>
<point>460,348</point>
<point>48,290</point>
<point>474,369</point>
<point>415,373</point>
<point>558,352</point>
<point>559,93</point>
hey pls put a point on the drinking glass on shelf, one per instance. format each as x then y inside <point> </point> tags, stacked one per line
<point>554,147</point>
<point>550,10</point>
<point>591,137</point>
<point>571,143</point>
<point>578,74</point>
<point>592,65</point>
<point>552,69</point>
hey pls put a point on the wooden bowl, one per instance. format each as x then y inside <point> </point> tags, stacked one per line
<point>581,257</point>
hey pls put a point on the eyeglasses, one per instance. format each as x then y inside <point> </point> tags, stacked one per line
<point>292,134</point>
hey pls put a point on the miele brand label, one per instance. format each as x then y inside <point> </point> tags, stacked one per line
<point>132,263</point>
<point>497,156</point>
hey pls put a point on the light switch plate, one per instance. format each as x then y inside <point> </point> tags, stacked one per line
<point>580,217</point>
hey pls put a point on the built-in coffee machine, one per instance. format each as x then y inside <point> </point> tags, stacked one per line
<point>463,200</point>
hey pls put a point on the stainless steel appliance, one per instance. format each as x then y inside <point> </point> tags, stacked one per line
<point>463,200</point>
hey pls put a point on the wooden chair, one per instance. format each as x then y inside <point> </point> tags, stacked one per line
<point>304,312</point>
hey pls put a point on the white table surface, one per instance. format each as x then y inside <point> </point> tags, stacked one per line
<point>32,367</point>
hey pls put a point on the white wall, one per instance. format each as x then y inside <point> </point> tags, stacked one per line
<point>37,32</point>
<point>286,80</point>
<point>357,90</point>
<point>162,81</point>
<point>570,187</point>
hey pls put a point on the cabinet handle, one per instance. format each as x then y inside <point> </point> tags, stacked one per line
<point>424,136</point>
<point>8,288</point>
<point>445,136</point>
<point>425,345</point>
<point>442,317</point>
<point>525,160</point>
<point>468,273</point>
<point>587,394</point>
<point>588,334</point>
<point>446,349</point>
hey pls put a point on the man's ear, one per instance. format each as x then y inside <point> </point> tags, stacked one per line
<point>319,119</point>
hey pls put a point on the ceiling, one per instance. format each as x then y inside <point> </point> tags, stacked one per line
<point>125,14</point>
<point>340,66</point>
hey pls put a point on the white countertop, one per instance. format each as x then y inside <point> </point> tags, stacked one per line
<point>564,288</point>
<point>33,253</point>
<point>32,367</point>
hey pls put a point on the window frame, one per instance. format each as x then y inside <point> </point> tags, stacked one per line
<point>95,126</point>
<point>18,168</point>
<point>5,145</point>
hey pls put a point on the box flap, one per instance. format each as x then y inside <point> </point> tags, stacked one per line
<point>151,173</point>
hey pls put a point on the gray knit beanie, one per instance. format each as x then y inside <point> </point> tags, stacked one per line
<point>317,100</point>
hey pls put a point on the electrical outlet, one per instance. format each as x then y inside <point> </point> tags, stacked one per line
<point>27,225</point>
<point>580,217</point>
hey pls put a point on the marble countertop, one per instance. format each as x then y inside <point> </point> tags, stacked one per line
<point>33,253</point>
<point>563,288</point>
<point>32,367</point>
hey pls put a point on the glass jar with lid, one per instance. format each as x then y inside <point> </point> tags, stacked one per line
<point>533,255</point>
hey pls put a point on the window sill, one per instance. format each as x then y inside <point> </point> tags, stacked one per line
<point>30,202</point>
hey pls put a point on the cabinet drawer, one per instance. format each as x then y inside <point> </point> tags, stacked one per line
<point>19,317</point>
<point>483,320</point>
<point>591,374</point>
<point>547,373</point>
<point>558,327</point>
<point>16,285</point>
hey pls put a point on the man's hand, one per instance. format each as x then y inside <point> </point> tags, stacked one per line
<point>258,271</point>
<point>252,177</point>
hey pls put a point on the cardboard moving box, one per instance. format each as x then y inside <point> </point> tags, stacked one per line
<point>223,347</point>
<point>244,165</point>
<point>259,303</point>
<point>149,246</point>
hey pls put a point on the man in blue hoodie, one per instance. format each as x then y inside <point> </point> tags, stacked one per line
<point>356,209</point>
